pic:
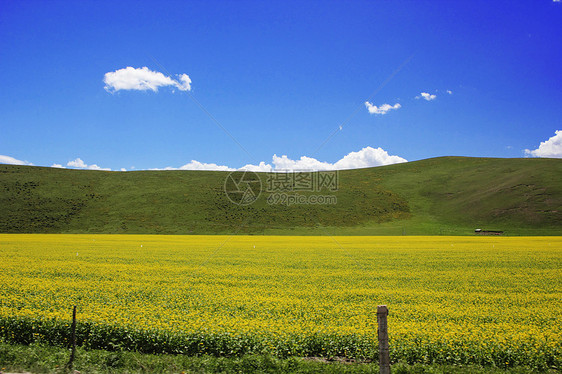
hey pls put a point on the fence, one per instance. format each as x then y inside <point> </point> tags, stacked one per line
<point>384,351</point>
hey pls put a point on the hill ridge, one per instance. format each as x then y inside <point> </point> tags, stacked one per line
<point>443,195</point>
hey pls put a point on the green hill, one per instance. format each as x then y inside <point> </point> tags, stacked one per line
<point>448,195</point>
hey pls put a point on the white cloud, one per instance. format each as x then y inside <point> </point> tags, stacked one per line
<point>96,167</point>
<point>196,165</point>
<point>261,167</point>
<point>427,96</point>
<point>78,163</point>
<point>143,79</point>
<point>366,157</point>
<point>449,92</point>
<point>304,163</point>
<point>185,84</point>
<point>383,109</point>
<point>549,148</point>
<point>12,161</point>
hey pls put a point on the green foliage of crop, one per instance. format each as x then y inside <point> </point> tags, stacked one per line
<point>453,300</point>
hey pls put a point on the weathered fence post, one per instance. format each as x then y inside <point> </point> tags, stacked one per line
<point>384,353</point>
<point>73,341</point>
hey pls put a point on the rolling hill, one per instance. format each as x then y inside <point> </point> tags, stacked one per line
<point>446,195</point>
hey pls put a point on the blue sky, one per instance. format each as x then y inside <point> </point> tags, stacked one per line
<point>282,78</point>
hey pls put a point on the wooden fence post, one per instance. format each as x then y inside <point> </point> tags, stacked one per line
<point>73,341</point>
<point>384,353</point>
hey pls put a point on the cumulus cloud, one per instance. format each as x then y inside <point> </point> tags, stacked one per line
<point>79,164</point>
<point>549,148</point>
<point>143,79</point>
<point>366,157</point>
<point>196,165</point>
<point>426,96</point>
<point>262,166</point>
<point>12,161</point>
<point>304,163</point>
<point>383,109</point>
<point>449,92</point>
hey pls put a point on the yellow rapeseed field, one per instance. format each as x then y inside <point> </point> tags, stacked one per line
<point>487,300</point>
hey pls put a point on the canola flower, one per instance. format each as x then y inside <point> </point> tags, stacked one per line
<point>484,300</point>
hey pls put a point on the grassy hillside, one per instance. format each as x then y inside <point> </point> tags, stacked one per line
<point>449,195</point>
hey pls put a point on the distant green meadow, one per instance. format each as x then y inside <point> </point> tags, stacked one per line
<point>441,196</point>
